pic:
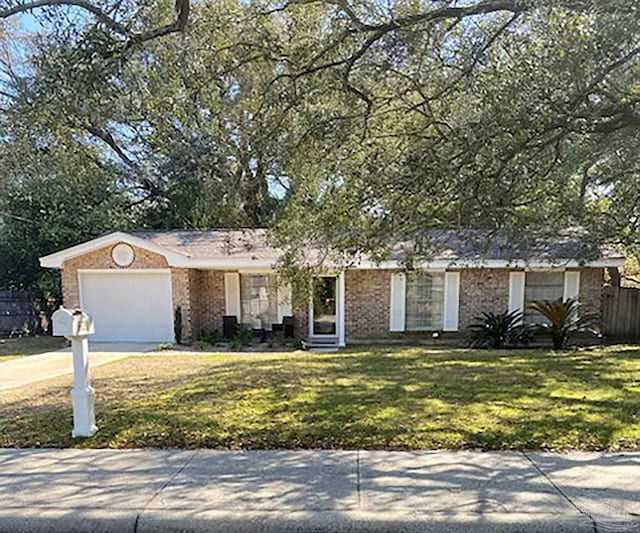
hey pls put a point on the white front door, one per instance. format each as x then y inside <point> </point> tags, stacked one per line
<point>324,307</point>
<point>128,305</point>
<point>327,310</point>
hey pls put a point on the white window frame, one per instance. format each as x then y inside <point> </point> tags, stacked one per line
<point>233,298</point>
<point>450,307</point>
<point>432,327</point>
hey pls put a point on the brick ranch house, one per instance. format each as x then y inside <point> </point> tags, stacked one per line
<point>132,283</point>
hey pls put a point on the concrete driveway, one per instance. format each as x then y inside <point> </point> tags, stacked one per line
<point>25,370</point>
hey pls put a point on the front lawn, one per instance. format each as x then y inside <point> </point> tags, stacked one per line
<point>391,398</point>
<point>19,347</point>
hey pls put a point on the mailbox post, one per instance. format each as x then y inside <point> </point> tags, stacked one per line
<point>76,325</point>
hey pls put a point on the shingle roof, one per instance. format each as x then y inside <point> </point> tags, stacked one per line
<point>442,244</point>
<point>240,243</point>
<point>508,245</point>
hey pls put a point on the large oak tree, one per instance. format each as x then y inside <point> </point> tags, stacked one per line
<point>349,124</point>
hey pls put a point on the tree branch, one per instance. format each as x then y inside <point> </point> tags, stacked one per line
<point>108,139</point>
<point>481,8</point>
<point>182,8</point>
<point>82,4</point>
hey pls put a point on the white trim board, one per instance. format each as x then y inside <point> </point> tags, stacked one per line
<point>55,260</point>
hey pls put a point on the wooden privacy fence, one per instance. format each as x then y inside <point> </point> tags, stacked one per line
<point>621,313</point>
<point>17,313</point>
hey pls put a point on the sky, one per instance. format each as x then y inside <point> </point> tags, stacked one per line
<point>29,22</point>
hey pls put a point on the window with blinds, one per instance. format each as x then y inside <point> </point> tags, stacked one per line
<point>541,286</point>
<point>424,306</point>
<point>259,300</point>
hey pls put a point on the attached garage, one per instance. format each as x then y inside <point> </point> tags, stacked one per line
<point>128,305</point>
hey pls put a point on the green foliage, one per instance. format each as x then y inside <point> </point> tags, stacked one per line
<point>164,347</point>
<point>243,337</point>
<point>52,196</point>
<point>285,117</point>
<point>499,330</point>
<point>297,343</point>
<point>210,336</point>
<point>177,324</point>
<point>564,320</point>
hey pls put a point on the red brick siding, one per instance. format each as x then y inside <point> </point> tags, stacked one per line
<point>482,289</point>
<point>367,302</point>
<point>591,289</point>
<point>367,298</point>
<point>208,300</point>
<point>200,293</point>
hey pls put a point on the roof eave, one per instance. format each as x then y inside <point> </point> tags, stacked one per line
<point>497,263</point>
<point>177,259</point>
<point>57,259</point>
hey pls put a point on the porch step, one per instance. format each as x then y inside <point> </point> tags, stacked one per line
<point>323,345</point>
<point>321,349</point>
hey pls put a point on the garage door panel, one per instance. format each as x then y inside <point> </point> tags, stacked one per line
<point>129,306</point>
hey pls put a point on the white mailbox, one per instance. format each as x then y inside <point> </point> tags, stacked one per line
<point>76,325</point>
<point>71,323</point>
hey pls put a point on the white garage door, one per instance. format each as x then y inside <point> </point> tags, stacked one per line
<point>129,305</point>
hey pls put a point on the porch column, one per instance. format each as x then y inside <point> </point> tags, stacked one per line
<point>341,305</point>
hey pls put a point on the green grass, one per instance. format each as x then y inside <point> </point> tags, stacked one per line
<point>20,347</point>
<point>393,398</point>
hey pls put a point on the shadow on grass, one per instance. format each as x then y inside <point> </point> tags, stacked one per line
<point>412,398</point>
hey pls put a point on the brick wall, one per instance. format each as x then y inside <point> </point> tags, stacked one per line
<point>482,289</point>
<point>367,299</point>
<point>591,290</point>
<point>368,293</point>
<point>368,296</point>
<point>208,304</point>
<point>101,259</point>
<point>200,293</point>
<point>181,293</point>
<point>208,300</point>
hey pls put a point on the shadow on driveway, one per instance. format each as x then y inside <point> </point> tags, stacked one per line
<point>26,370</point>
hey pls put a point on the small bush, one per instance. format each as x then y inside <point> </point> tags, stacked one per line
<point>498,330</point>
<point>210,336</point>
<point>164,347</point>
<point>297,343</point>
<point>177,324</point>
<point>243,337</point>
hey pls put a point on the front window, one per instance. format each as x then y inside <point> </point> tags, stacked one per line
<point>424,301</point>
<point>541,286</point>
<point>258,297</point>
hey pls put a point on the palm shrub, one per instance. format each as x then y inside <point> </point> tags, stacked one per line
<point>564,320</point>
<point>497,330</point>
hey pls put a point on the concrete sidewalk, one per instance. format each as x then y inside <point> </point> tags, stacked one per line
<point>33,368</point>
<point>205,490</point>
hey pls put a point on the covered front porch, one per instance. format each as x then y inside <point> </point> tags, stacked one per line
<point>224,300</point>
